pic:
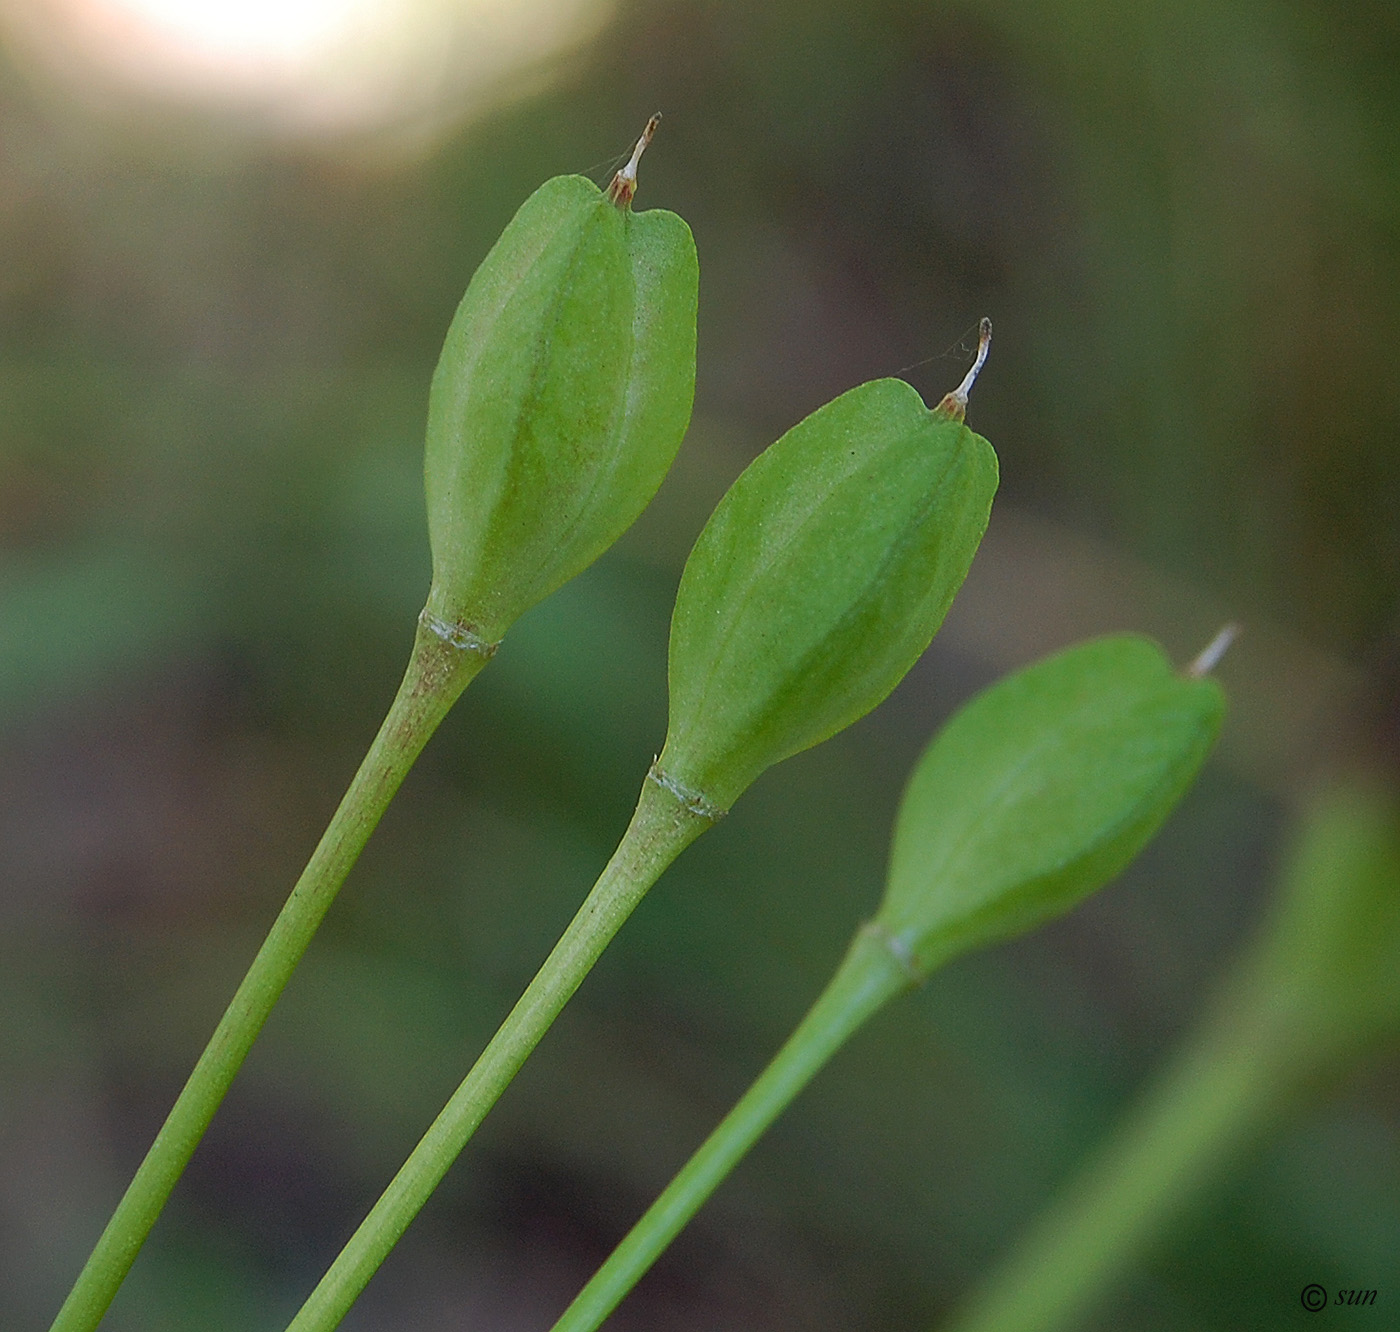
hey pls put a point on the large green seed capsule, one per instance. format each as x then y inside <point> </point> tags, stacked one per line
<point>818,581</point>
<point>561,397</point>
<point>1039,791</point>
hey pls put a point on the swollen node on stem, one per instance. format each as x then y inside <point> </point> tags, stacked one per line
<point>822,575</point>
<point>560,399</point>
<point>661,827</point>
<point>1034,795</point>
<point>437,673</point>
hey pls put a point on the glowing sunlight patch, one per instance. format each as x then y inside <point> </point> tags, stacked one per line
<point>237,35</point>
<point>303,65</point>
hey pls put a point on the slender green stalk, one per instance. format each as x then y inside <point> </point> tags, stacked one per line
<point>870,975</point>
<point>437,673</point>
<point>661,828</point>
<point>1216,1095</point>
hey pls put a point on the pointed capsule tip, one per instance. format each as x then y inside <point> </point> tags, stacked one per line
<point>1209,656</point>
<point>624,184</point>
<point>954,404</point>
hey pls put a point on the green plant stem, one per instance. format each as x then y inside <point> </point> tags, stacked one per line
<point>1218,1093</point>
<point>661,828</point>
<point>436,675</point>
<point>869,976</point>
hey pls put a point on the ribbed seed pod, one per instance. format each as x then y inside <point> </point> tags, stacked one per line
<point>818,581</point>
<point>561,397</point>
<point>1039,791</point>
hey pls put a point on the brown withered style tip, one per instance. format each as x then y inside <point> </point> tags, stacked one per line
<point>954,404</point>
<point>624,184</point>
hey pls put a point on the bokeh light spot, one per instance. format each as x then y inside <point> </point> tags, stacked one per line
<point>300,66</point>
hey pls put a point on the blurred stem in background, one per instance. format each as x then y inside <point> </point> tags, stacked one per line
<point>437,673</point>
<point>1322,982</point>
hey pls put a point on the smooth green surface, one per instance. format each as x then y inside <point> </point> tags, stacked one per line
<point>561,396</point>
<point>661,828</point>
<point>436,675</point>
<point>821,577</point>
<point>1040,790</point>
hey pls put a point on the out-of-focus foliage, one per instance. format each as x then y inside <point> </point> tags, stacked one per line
<point>214,362</point>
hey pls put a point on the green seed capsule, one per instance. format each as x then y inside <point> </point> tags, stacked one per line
<point>818,581</point>
<point>561,397</point>
<point>1039,791</point>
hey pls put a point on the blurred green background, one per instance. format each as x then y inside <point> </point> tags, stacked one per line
<point>217,326</point>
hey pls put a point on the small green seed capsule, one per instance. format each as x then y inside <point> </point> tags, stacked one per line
<point>818,581</point>
<point>561,397</point>
<point>1039,791</point>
